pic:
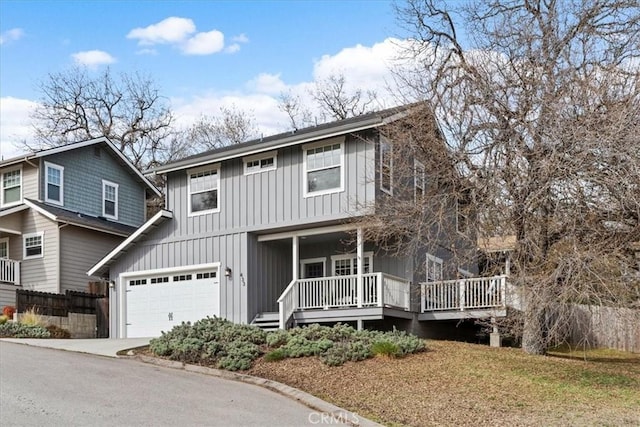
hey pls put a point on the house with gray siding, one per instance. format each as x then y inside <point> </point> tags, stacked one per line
<point>263,232</point>
<point>63,208</point>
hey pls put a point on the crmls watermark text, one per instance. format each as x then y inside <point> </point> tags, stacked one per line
<point>325,418</point>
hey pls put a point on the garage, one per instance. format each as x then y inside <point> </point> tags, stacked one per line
<point>158,302</point>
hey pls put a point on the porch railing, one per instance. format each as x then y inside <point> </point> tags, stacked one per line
<point>464,294</point>
<point>378,289</point>
<point>10,271</point>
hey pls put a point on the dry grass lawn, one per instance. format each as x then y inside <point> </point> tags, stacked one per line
<point>459,384</point>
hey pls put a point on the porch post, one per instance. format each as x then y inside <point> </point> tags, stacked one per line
<point>359,263</point>
<point>296,257</point>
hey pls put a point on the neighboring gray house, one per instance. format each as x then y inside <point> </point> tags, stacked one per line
<point>259,233</point>
<point>63,208</point>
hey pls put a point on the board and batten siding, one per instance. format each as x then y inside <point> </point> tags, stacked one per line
<point>40,274</point>
<point>84,170</point>
<point>229,250</point>
<point>275,198</point>
<point>80,248</point>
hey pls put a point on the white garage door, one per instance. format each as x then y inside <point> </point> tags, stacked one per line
<point>159,302</point>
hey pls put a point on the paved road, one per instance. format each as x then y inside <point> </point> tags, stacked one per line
<point>40,386</point>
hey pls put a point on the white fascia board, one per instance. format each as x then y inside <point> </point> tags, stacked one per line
<point>262,147</point>
<point>14,209</point>
<point>41,211</point>
<point>306,232</point>
<point>140,231</point>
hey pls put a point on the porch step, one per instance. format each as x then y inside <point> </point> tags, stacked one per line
<point>268,321</point>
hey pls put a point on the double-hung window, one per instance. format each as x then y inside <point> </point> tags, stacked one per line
<point>203,191</point>
<point>54,191</point>
<point>434,268</point>
<point>419,180</point>
<point>11,187</point>
<point>323,169</point>
<point>33,245</point>
<point>261,163</point>
<point>346,265</point>
<point>386,166</point>
<point>109,199</point>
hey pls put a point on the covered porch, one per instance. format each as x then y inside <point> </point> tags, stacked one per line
<point>335,277</point>
<point>10,245</point>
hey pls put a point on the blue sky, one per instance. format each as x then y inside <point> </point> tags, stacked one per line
<point>202,54</point>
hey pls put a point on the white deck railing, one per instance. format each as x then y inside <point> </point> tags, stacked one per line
<point>378,289</point>
<point>10,271</point>
<point>464,294</point>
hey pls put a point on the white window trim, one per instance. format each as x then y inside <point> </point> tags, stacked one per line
<point>48,165</point>
<point>418,165</point>
<point>104,213</point>
<point>305,180</point>
<point>261,156</point>
<point>24,245</point>
<point>2,203</point>
<point>5,240</point>
<point>387,142</point>
<point>351,256</point>
<point>465,273</point>
<point>434,259</point>
<point>214,167</point>
<point>306,261</point>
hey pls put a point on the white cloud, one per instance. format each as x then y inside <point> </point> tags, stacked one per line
<point>240,38</point>
<point>170,30</point>
<point>14,125</point>
<point>93,58</point>
<point>232,48</point>
<point>11,35</point>
<point>204,43</point>
<point>147,51</point>
<point>267,83</point>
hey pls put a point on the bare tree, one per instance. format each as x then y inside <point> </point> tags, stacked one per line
<point>337,102</point>
<point>539,112</point>
<point>128,110</point>
<point>299,116</point>
<point>232,126</point>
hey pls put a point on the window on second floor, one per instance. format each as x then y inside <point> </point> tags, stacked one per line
<point>11,187</point>
<point>419,180</point>
<point>261,163</point>
<point>434,268</point>
<point>109,199</point>
<point>54,184</point>
<point>203,191</point>
<point>386,166</point>
<point>323,166</point>
<point>33,245</point>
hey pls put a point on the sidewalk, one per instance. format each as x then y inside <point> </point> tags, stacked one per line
<point>101,346</point>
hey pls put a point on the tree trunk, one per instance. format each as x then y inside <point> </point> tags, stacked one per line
<point>534,333</point>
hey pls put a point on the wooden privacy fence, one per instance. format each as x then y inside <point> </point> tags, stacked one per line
<point>609,327</point>
<point>49,304</point>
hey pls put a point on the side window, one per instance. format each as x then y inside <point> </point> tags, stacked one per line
<point>434,268</point>
<point>323,167</point>
<point>203,191</point>
<point>33,245</point>
<point>11,184</point>
<point>346,265</point>
<point>261,163</point>
<point>386,166</point>
<point>109,199</point>
<point>54,184</point>
<point>419,180</point>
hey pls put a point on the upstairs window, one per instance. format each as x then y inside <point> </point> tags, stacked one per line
<point>33,246</point>
<point>434,268</point>
<point>323,169</point>
<point>109,200</point>
<point>203,191</point>
<point>54,184</point>
<point>262,163</point>
<point>11,188</point>
<point>386,166</point>
<point>419,180</point>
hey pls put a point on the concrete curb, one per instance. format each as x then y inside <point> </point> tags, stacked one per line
<point>333,413</point>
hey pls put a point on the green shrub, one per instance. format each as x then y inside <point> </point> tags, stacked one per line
<point>3,319</point>
<point>275,355</point>
<point>277,338</point>
<point>57,332</point>
<point>20,330</point>
<point>239,356</point>
<point>385,348</point>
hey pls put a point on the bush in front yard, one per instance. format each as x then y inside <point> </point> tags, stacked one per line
<point>19,330</point>
<point>3,319</point>
<point>8,311</point>
<point>58,332</point>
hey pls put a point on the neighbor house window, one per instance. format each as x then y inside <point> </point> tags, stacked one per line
<point>4,248</point>
<point>262,163</point>
<point>203,191</point>
<point>54,183</point>
<point>33,245</point>
<point>434,268</point>
<point>345,265</point>
<point>109,199</point>
<point>11,187</point>
<point>323,169</point>
<point>419,180</point>
<point>386,166</point>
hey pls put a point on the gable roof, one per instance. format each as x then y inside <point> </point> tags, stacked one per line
<point>122,248</point>
<point>80,220</point>
<point>296,137</point>
<point>74,146</point>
